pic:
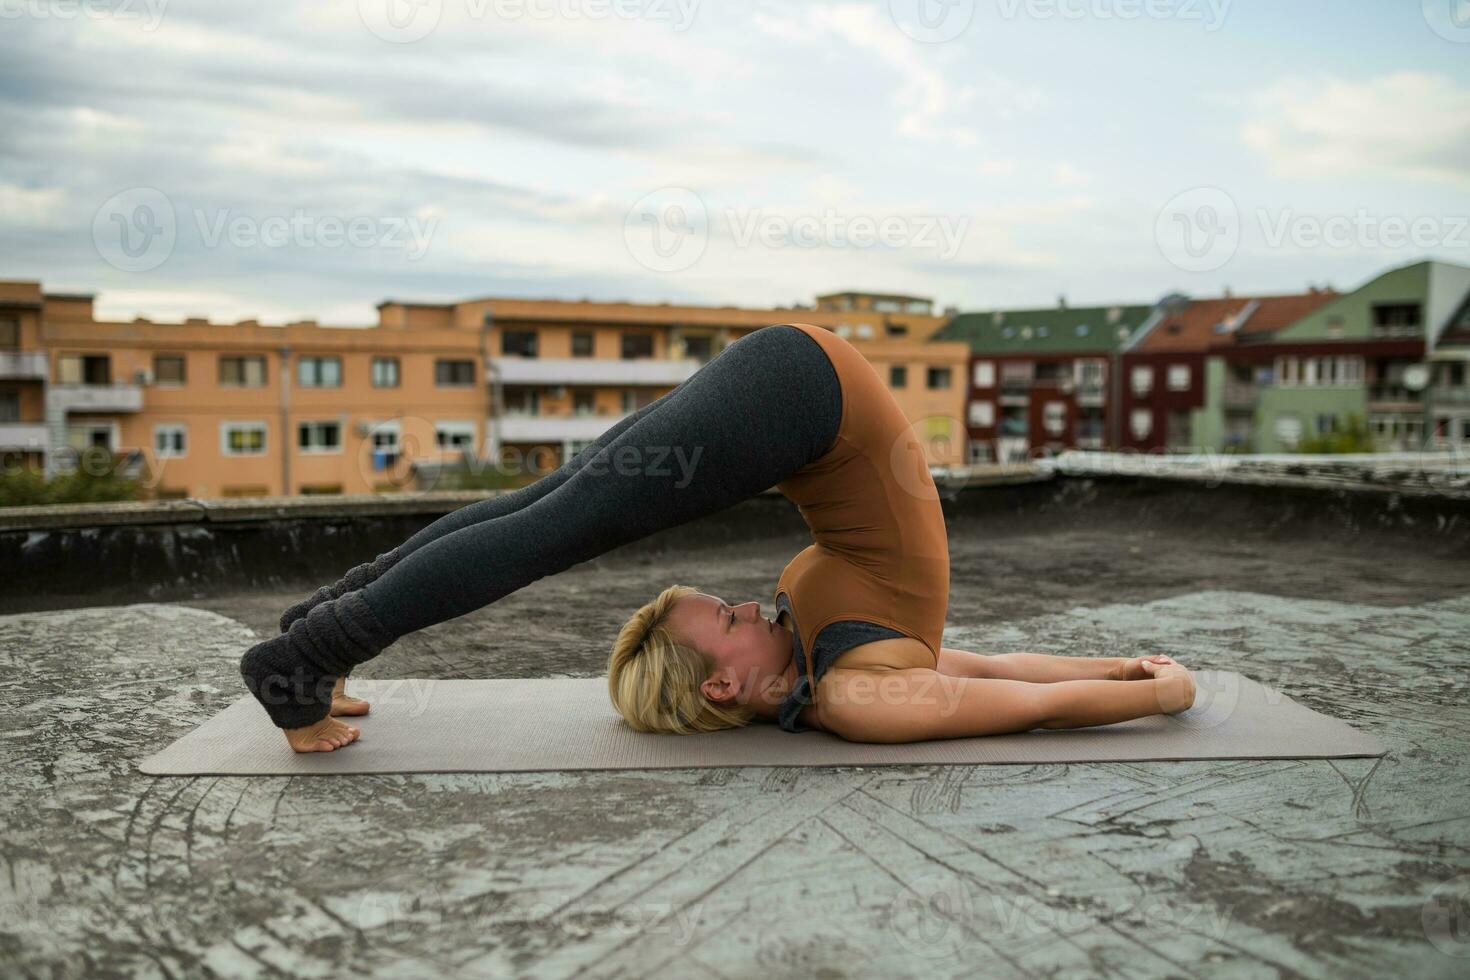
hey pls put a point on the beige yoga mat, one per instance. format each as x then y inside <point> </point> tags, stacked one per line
<point>538,725</point>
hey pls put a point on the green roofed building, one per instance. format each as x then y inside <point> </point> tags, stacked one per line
<point>1040,379</point>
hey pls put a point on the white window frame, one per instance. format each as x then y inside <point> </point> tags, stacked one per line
<point>982,414</point>
<point>227,425</point>
<point>1054,418</point>
<point>172,428</point>
<point>1089,372</point>
<point>452,427</point>
<point>1180,377</point>
<point>1288,429</point>
<point>984,374</point>
<point>317,361</point>
<point>1141,423</point>
<point>1141,379</point>
<point>384,363</point>
<point>321,450</point>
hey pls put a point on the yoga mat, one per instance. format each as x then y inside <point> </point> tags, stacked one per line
<point>421,725</point>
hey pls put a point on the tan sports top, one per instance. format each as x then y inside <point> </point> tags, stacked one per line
<point>879,551</point>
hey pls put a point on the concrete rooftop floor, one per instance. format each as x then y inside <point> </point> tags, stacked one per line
<point>1245,868</point>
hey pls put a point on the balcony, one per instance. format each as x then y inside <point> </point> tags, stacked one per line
<point>95,398</point>
<point>22,435</point>
<point>551,428</point>
<point>590,371</point>
<point>1091,393</point>
<point>1015,391</point>
<point>1388,397</point>
<point>1241,394</point>
<point>1448,395</point>
<point>24,365</point>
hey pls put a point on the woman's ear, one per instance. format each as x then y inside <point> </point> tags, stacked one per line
<point>720,687</point>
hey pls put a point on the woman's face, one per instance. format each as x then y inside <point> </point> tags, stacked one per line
<point>750,653</point>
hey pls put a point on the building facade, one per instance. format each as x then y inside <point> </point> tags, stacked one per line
<point>1042,381</point>
<point>208,410</point>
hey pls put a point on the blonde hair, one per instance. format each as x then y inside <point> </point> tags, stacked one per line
<point>653,679</point>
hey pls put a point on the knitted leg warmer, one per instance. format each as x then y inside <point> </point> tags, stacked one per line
<point>355,578</point>
<point>292,674</point>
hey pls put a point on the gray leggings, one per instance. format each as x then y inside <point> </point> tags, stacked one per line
<point>757,412</point>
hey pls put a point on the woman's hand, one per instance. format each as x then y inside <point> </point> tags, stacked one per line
<point>1132,669</point>
<point>1175,686</point>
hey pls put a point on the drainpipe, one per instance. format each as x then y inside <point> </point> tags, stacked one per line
<point>285,353</point>
<point>497,396</point>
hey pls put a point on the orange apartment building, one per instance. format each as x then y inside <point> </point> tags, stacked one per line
<point>199,409</point>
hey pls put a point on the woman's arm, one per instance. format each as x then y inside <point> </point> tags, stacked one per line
<point>917,704</point>
<point>1043,667</point>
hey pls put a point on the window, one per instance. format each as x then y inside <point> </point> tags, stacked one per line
<point>242,438</point>
<point>1326,423</point>
<point>984,374</point>
<point>319,437</point>
<point>1090,374</point>
<point>385,445</point>
<point>938,378</point>
<point>584,402</point>
<point>1178,377</point>
<point>84,369</point>
<point>636,398</point>
<point>982,414</point>
<point>454,436</point>
<point>9,332</point>
<point>168,369</point>
<point>1052,371</point>
<point>1397,320</point>
<point>1054,417</point>
<point>636,345</point>
<point>1288,430</point>
<point>385,372</point>
<point>1177,430</point>
<point>698,347</point>
<point>898,376</point>
<point>453,373</point>
<point>1141,423</point>
<point>518,343</point>
<point>319,372</point>
<point>865,331</point>
<point>581,344</point>
<point>523,401</point>
<point>307,489</point>
<point>242,372</point>
<point>170,440</point>
<point>1143,380</point>
<point>9,406</point>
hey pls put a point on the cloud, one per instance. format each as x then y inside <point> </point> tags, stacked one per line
<point>1409,124</point>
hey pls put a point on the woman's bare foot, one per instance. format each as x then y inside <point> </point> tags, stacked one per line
<point>1175,687</point>
<point>344,705</point>
<point>327,735</point>
<point>1132,668</point>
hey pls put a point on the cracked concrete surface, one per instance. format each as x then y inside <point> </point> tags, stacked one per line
<point>1323,868</point>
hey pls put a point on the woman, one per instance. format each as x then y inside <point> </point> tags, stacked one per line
<point>792,406</point>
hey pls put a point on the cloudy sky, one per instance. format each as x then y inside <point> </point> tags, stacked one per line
<point>287,160</point>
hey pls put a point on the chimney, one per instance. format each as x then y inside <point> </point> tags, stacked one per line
<point>1062,301</point>
<point>1227,291</point>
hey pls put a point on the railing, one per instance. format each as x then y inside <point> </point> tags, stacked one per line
<point>1239,394</point>
<point>1445,395</point>
<point>24,364</point>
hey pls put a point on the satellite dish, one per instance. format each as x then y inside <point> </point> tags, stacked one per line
<point>1416,377</point>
